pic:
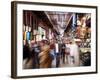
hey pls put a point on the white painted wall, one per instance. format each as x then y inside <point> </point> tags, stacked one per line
<point>5,40</point>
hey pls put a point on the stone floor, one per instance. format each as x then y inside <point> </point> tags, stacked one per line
<point>66,64</point>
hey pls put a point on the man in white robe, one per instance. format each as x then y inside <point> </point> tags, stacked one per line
<point>74,54</point>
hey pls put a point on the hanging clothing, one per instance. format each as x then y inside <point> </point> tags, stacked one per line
<point>28,35</point>
<point>24,35</point>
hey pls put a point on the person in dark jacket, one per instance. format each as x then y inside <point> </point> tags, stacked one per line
<point>63,47</point>
<point>36,51</point>
<point>28,57</point>
<point>26,50</point>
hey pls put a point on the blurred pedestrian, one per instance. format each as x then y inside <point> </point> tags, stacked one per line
<point>57,54</point>
<point>28,57</point>
<point>67,51</point>
<point>45,59</point>
<point>74,54</point>
<point>63,47</point>
<point>52,52</point>
<point>36,51</point>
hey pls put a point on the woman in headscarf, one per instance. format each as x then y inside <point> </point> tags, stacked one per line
<point>45,59</point>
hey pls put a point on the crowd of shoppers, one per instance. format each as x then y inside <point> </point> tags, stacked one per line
<point>50,54</point>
